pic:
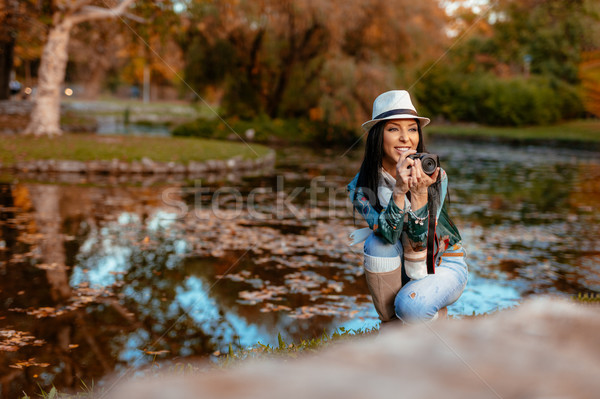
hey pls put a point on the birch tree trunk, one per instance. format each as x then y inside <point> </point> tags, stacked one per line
<point>45,117</point>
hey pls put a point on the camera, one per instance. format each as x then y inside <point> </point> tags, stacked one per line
<point>429,162</point>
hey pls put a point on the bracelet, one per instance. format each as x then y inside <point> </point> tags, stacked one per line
<point>418,220</point>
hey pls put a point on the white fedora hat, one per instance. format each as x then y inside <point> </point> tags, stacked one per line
<point>394,104</point>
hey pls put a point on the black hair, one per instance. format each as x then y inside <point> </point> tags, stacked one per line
<point>370,169</point>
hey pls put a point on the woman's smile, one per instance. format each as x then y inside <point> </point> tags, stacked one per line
<point>402,149</point>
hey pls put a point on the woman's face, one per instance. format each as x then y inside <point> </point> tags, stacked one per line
<point>399,135</point>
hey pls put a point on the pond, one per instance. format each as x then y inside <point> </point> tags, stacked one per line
<point>111,124</point>
<point>104,277</point>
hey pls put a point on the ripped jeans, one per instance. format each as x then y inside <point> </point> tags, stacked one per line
<point>422,299</point>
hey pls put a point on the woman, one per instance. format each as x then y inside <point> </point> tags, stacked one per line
<point>396,197</point>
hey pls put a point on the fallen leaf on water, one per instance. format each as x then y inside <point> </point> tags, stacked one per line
<point>52,266</point>
<point>269,307</point>
<point>12,340</point>
<point>162,352</point>
<point>268,293</point>
<point>28,363</point>
<point>44,312</point>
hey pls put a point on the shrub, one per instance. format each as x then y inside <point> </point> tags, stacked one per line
<point>301,131</point>
<point>488,99</point>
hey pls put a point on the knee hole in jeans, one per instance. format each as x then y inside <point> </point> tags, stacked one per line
<point>408,309</point>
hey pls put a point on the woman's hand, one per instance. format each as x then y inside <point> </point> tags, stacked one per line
<point>404,179</point>
<point>419,180</point>
<point>410,177</point>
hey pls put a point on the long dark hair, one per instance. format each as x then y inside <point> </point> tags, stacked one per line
<point>370,169</point>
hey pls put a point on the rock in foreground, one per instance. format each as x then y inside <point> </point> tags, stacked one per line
<point>546,348</point>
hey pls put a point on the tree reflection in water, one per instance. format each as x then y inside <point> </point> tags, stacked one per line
<point>118,281</point>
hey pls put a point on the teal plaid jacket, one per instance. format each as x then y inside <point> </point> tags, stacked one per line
<point>390,222</point>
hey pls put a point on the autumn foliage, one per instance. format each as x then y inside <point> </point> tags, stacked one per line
<point>320,60</point>
<point>589,73</point>
<point>522,66</point>
<point>325,61</point>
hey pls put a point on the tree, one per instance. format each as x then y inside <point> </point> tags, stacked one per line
<point>589,73</point>
<point>521,55</point>
<point>305,58</point>
<point>7,44</point>
<point>45,117</point>
<point>95,48</point>
<point>256,51</point>
<point>544,37</point>
<point>103,52</point>
<point>13,20</point>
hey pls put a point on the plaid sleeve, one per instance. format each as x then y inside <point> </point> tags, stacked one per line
<point>387,223</point>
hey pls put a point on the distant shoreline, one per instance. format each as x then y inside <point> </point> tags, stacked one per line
<point>578,134</point>
<point>565,143</point>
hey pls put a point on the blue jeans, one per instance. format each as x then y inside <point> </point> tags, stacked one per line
<point>422,299</point>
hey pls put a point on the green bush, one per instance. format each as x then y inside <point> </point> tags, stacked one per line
<point>299,131</point>
<point>488,99</point>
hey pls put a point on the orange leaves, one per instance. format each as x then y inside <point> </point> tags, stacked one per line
<point>269,292</point>
<point>51,266</point>
<point>82,296</point>
<point>11,340</point>
<point>45,312</point>
<point>589,73</point>
<point>306,312</point>
<point>286,259</point>
<point>156,353</point>
<point>269,307</point>
<point>148,243</point>
<point>28,363</point>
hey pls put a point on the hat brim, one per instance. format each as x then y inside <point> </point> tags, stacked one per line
<point>369,124</point>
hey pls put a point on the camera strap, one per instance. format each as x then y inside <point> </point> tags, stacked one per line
<point>431,236</point>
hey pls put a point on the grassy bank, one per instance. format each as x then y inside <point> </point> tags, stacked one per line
<point>87,147</point>
<point>578,131</point>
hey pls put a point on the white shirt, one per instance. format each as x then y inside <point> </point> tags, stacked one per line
<point>386,188</point>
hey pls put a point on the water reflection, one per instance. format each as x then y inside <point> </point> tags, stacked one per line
<point>111,124</point>
<point>103,278</point>
<point>533,214</point>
